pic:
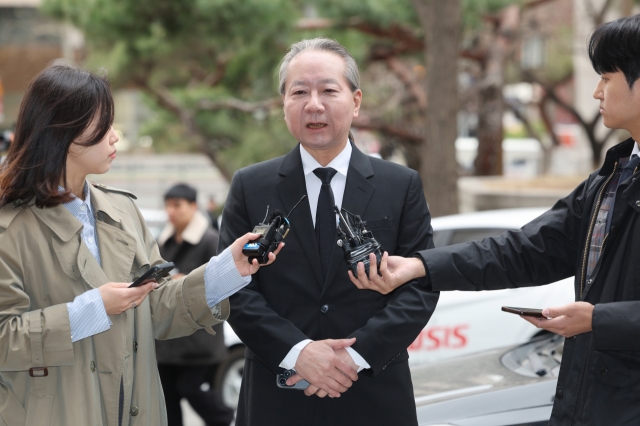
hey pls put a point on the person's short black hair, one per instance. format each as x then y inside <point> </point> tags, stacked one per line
<point>615,46</point>
<point>183,191</point>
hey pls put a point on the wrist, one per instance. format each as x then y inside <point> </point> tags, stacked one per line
<point>418,268</point>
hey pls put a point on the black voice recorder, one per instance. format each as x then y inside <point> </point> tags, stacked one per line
<point>356,241</point>
<point>273,229</point>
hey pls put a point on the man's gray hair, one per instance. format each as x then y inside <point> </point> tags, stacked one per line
<point>351,73</point>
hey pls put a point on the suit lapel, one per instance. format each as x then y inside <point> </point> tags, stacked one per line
<point>291,188</point>
<point>357,194</point>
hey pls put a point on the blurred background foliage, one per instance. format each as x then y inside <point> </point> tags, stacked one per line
<point>208,67</point>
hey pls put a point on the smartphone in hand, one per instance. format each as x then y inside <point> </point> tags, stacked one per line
<point>281,381</point>
<point>527,312</point>
<point>154,274</point>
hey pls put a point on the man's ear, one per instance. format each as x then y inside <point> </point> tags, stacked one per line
<point>357,100</point>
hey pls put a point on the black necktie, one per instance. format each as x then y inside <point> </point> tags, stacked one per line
<point>325,217</point>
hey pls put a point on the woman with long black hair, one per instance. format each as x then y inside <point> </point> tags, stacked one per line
<point>76,343</point>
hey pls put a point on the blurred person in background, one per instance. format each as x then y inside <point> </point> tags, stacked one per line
<point>214,213</point>
<point>187,365</point>
<point>76,342</point>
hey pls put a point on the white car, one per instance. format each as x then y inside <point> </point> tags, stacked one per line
<point>466,322</point>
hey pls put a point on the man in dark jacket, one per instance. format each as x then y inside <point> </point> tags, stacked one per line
<point>187,365</point>
<point>592,234</point>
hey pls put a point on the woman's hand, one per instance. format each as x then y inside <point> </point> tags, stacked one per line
<point>242,262</point>
<point>118,297</point>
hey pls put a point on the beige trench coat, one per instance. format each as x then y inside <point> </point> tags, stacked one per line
<point>43,265</point>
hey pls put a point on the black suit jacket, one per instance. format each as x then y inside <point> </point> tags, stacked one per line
<point>284,303</point>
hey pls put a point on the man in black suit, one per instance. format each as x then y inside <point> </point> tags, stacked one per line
<point>292,311</point>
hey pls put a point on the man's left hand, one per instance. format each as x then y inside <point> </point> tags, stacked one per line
<point>567,321</point>
<point>242,262</point>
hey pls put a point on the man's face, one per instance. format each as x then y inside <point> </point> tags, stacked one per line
<point>619,106</point>
<point>319,105</point>
<point>180,211</point>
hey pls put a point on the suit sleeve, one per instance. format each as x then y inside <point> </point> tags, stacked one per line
<point>544,251</point>
<point>269,336</point>
<point>390,332</point>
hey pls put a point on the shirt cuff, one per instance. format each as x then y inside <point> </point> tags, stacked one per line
<point>222,278</point>
<point>289,361</point>
<point>87,315</point>
<point>358,360</point>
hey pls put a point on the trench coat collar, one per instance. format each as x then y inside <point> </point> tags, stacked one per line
<point>59,220</point>
<point>102,204</point>
<point>64,224</point>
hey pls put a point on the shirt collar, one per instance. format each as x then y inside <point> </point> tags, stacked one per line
<point>636,150</point>
<point>75,200</point>
<point>340,163</point>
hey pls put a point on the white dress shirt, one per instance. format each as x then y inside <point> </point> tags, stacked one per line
<point>338,183</point>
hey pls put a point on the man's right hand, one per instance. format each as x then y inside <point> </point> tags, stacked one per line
<point>323,369</point>
<point>395,271</point>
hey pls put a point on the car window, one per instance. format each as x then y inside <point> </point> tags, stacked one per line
<point>441,238</point>
<point>464,235</point>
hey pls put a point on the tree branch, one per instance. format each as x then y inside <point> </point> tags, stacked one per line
<point>550,93</point>
<point>389,130</point>
<point>409,79</point>
<point>525,121</point>
<point>238,104</point>
<point>597,16</point>
<point>403,35</point>
<point>547,122</point>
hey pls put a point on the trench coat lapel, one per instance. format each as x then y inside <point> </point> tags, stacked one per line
<point>291,188</point>
<point>357,194</point>
<point>73,255</point>
<point>117,247</point>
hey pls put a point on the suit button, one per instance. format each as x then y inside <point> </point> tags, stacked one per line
<point>135,346</point>
<point>638,203</point>
<point>559,394</point>
<point>134,410</point>
<point>324,309</point>
<point>604,370</point>
<point>93,366</point>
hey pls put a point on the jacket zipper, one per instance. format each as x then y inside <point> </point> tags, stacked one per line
<point>585,256</point>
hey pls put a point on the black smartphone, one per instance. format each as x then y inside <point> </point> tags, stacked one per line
<point>281,381</point>
<point>154,274</point>
<point>527,312</point>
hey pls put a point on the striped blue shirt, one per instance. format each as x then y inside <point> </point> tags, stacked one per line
<point>87,315</point>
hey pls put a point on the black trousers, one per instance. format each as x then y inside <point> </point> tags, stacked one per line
<point>187,382</point>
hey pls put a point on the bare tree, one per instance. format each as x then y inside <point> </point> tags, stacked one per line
<point>438,169</point>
